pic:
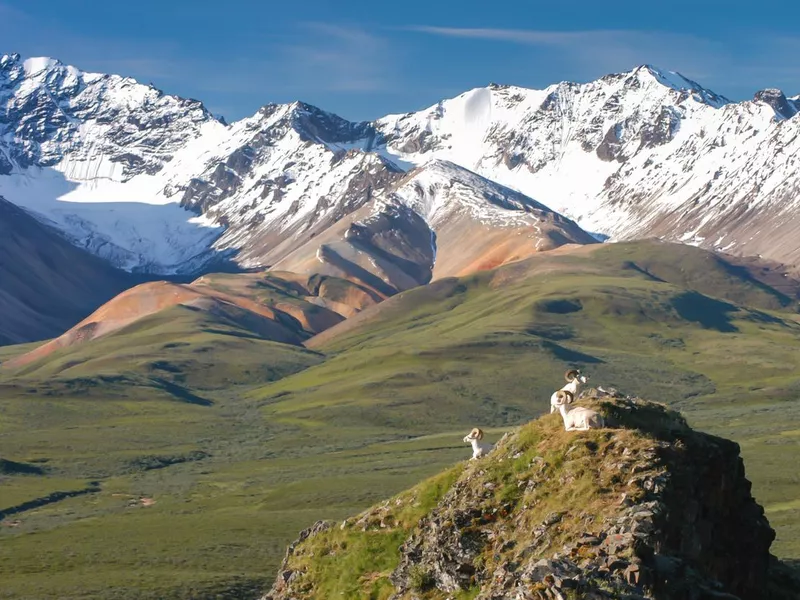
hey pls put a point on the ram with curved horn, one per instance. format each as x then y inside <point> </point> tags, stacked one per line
<point>478,448</point>
<point>574,380</point>
<point>579,418</point>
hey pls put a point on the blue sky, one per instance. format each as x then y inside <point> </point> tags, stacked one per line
<point>363,59</point>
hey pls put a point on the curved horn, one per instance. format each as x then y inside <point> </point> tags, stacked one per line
<point>571,374</point>
<point>565,396</point>
<point>476,434</point>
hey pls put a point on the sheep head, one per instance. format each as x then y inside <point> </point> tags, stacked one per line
<point>564,397</point>
<point>475,434</point>
<point>574,374</point>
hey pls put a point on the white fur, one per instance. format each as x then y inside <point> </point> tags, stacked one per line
<point>580,418</point>
<point>478,448</point>
<point>571,387</point>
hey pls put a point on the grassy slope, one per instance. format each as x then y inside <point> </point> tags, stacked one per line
<point>356,560</point>
<point>474,350</point>
<point>485,350</point>
<point>507,497</point>
<point>134,410</point>
<point>185,346</point>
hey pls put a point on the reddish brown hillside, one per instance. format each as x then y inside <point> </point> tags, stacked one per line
<point>285,322</point>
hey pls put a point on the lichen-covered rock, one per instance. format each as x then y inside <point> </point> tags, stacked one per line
<point>648,509</point>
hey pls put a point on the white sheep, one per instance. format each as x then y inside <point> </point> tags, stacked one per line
<point>579,418</point>
<point>574,381</point>
<point>478,449</point>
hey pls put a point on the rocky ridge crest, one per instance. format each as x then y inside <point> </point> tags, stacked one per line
<point>649,509</point>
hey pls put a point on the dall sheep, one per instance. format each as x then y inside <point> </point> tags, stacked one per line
<point>579,418</point>
<point>478,449</point>
<point>574,381</point>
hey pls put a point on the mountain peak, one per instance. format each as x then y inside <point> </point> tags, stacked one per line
<point>315,124</point>
<point>37,64</point>
<point>680,83</point>
<point>41,68</point>
<point>8,59</point>
<point>775,98</point>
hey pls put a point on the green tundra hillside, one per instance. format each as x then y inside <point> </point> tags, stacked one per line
<point>177,457</point>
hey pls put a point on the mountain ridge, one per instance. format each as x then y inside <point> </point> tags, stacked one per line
<point>657,154</point>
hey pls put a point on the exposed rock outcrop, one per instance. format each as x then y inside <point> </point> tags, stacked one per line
<point>648,509</point>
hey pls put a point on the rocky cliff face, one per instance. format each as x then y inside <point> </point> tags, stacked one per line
<point>648,509</point>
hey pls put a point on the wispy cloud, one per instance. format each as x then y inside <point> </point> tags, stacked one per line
<point>603,50</point>
<point>750,59</point>
<point>520,36</point>
<point>338,58</point>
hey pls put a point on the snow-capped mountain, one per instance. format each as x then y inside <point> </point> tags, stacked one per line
<point>156,183</point>
<point>438,220</point>
<point>83,152</point>
<point>644,153</point>
<point>278,178</point>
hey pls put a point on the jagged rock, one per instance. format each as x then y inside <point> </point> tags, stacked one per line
<point>783,108</point>
<point>686,527</point>
<point>287,577</point>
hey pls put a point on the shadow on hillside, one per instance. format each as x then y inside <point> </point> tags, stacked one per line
<point>632,266</point>
<point>146,227</point>
<point>570,356</point>
<point>706,312</point>
<point>560,306</point>
<point>181,393</point>
<point>745,274</point>
<point>10,467</point>
<point>551,331</point>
